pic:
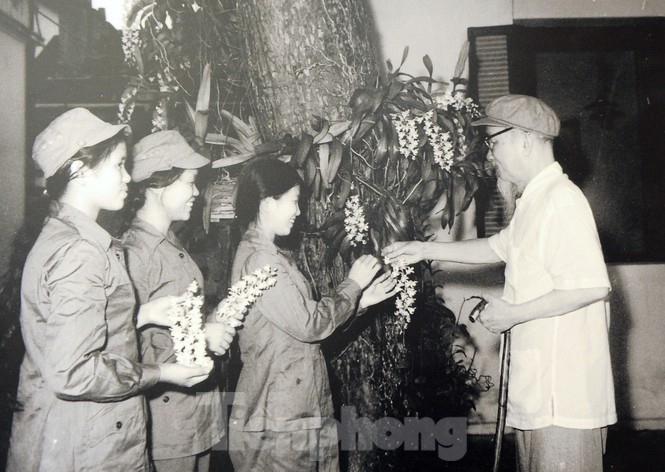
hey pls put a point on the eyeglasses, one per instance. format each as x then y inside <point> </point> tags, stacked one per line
<point>488,140</point>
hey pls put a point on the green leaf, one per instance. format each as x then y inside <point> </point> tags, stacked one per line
<point>450,204</point>
<point>461,60</point>
<point>428,64</point>
<point>360,129</point>
<point>300,156</point>
<point>336,154</point>
<point>381,131</point>
<point>336,218</point>
<point>324,155</point>
<point>470,188</point>
<point>324,127</point>
<point>333,249</point>
<point>316,185</point>
<point>310,172</point>
<point>405,54</point>
<point>343,194</point>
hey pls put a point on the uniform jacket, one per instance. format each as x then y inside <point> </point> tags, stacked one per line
<point>80,380</point>
<point>183,422</point>
<point>283,385</point>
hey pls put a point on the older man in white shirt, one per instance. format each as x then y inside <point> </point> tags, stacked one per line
<point>560,392</point>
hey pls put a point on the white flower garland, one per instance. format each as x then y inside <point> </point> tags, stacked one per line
<point>354,223</point>
<point>406,288</point>
<point>186,329</point>
<point>243,293</point>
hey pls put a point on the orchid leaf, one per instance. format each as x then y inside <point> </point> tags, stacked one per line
<point>428,64</point>
<point>302,152</point>
<point>324,157</point>
<point>336,156</point>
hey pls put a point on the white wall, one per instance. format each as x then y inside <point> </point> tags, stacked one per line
<point>439,28</point>
<point>434,27</point>
<point>525,9</point>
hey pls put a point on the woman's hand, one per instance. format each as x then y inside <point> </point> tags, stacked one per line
<point>219,337</point>
<point>184,376</point>
<point>408,251</point>
<point>363,270</point>
<point>156,312</point>
<point>381,289</point>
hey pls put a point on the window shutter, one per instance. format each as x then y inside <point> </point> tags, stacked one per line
<point>490,79</point>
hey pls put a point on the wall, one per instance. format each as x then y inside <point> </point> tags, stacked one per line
<point>439,28</point>
<point>13,56</point>
<point>527,9</point>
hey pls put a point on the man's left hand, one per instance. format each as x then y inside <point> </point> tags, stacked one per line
<point>498,315</point>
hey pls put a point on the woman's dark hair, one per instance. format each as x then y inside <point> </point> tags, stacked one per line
<point>91,157</point>
<point>136,193</point>
<point>262,178</point>
<point>159,179</point>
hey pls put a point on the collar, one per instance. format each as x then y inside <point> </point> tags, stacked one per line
<point>86,226</point>
<point>257,238</point>
<point>152,236</point>
<point>549,173</point>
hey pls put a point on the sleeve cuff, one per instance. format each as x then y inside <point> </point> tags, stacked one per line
<point>149,377</point>
<point>350,288</point>
<point>495,245</point>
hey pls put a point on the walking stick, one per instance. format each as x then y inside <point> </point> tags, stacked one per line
<point>503,383</point>
<point>503,399</point>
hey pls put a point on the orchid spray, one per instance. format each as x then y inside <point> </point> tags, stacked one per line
<point>243,293</point>
<point>186,328</point>
<point>354,222</point>
<point>404,304</point>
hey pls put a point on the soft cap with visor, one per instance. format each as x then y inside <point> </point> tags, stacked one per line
<point>161,151</point>
<point>65,136</point>
<point>523,112</point>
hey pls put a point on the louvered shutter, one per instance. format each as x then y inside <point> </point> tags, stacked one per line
<point>490,79</point>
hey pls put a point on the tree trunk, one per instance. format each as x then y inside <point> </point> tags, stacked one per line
<point>305,58</point>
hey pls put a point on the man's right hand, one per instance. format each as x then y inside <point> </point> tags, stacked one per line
<point>409,252</point>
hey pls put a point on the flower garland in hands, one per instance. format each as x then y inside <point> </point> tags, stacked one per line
<point>186,329</point>
<point>243,293</point>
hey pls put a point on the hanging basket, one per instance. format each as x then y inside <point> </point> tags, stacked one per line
<point>222,199</point>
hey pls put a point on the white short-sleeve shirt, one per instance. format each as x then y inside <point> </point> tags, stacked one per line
<point>560,371</point>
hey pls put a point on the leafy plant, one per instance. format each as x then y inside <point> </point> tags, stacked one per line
<point>184,56</point>
<point>404,146</point>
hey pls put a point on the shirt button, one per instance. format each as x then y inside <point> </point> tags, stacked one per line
<point>118,425</point>
<point>117,254</point>
<point>298,381</point>
<point>182,256</point>
<point>165,399</point>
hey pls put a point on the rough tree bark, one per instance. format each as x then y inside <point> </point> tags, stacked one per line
<point>305,58</point>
